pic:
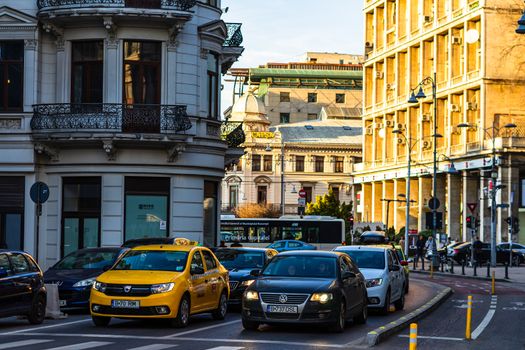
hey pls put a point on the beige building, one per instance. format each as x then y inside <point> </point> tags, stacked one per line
<point>473,49</point>
<point>312,155</point>
<point>297,91</point>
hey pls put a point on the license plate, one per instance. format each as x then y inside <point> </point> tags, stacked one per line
<point>282,309</point>
<point>125,304</point>
<point>62,303</point>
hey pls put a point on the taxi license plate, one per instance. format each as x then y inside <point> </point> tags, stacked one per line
<point>125,304</point>
<point>282,309</point>
<point>62,303</point>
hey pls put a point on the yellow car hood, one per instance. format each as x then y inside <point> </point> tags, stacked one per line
<point>138,277</point>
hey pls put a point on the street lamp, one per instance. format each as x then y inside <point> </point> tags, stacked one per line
<point>495,132</point>
<point>414,99</point>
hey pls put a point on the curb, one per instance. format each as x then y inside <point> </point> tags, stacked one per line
<point>379,334</point>
<point>456,275</point>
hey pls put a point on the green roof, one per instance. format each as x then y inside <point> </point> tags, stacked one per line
<point>260,73</point>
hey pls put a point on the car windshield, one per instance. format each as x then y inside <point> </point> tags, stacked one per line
<point>367,259</point>
<point>239,259</point>
<point>87,260</point>
<point>153,260</point>
<point>301,266</point>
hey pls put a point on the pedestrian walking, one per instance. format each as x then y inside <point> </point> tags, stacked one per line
<point>420,251</point>
<point>477,246</point>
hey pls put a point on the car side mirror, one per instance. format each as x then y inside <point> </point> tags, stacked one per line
<point>3,273</point>
<point>394,268</point>
<point>255,272</point>
<point>404,263</point>
<point>197,270</point>
<point>348,274</point>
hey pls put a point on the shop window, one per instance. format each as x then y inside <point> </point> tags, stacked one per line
<point>12,212</point>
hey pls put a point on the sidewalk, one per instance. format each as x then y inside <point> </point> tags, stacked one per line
<point>516,274</point>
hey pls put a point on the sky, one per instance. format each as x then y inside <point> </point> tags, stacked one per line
<point>283,30</point>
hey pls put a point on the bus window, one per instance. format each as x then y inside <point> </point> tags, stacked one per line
<point>312,235</point>
<point>232,233</point>
<point>292,233</point>
<point>274,234</point>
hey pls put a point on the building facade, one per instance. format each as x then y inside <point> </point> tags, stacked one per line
<point>279,161</point>
<point>297,91</point>
<point>471,49</point>
<point>115,106</point>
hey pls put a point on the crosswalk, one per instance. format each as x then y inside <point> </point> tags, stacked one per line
<point>41,345</point>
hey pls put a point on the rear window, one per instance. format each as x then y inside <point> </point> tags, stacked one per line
<point>367,259</point>
<point>91,260</point>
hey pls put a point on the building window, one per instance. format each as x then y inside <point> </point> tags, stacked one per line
<point>256,162</point>
<point>299,163</point>
<point>268,163</point>
<point>335,191</point>
<point>339,98</point>
<point>147,207</point>
<point>12,197</point>
<point>319,164</point>
<point>234,196</point>
<point>211,190</point>
<point>262,195</point>
<point>284,97</point>
<point>213,86</point>
<point>312,97</point>
<point>87,71</point>
<point>339,164</point>
<point>11,75</point>
<point>309,194</point>
<point>81,203</point>
<point>142,68</point>
<point>312,116</point>
<point>285,118</point>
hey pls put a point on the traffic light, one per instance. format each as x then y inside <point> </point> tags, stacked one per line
<point>470,222</point>
<point>351,222</point>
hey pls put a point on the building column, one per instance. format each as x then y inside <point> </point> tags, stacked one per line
<point>398,213</point>
<point>453,206</point>
<point>368,202</point>
<point>62,71</point>
<point>377,205</point>
<point>30,74</point>
<point>113,69</point>
<point>388,193</point>
<point>470,193</point>
<point>425,191</point>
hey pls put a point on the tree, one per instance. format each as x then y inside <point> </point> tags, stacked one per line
<point>329,205</point>
<point>253,210</point>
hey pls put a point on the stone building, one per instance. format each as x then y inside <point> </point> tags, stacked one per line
<point>115,106</point>
<point>473,50</point>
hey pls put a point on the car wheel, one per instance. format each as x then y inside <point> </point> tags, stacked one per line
<point>339,325</point>
<point>407,286</point>
<point>183,316</point>
<point>250,325</point>
<point>363,315</point>
<point>386,307</point>
<point>38,310</point>
<point>516,260</point>
<point>400,303</point>
<point>220,312</point>
<point>101,321</point>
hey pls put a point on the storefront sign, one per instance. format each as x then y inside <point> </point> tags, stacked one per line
<point>263,134</point>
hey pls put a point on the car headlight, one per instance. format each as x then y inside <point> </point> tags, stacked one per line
<point>247,283</point>
<point>162,288</point>
<point>251,295</point>
<point>322,297</point>
<point>374,282</point>
<point>85,283</point>
<point>101,287</point>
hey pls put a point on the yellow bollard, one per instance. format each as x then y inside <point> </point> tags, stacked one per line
<point>413,337</point>
<point>493,282</point>
<point>469,318</point>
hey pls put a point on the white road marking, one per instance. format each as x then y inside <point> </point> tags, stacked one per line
<point>226,348</point>
<point>201,329</point>
<point>81,346</point>
<point>46,327</point>
<point>430,337</point>
<point>20,343</point>
<point>155,347</point>
<point>514,308</point>
<point>483,324</point>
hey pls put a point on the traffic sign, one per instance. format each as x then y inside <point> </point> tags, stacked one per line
<point>39,192</point>
<point>433,203</point>
<point>302,193</point>
<point>301,201</point>
<point>472,207</point>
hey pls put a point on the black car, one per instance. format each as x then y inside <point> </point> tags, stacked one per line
<point>132,243</point>
<point>76,273</point>
<point>373,237</point>
<point>22,290</point>
<point>240,262</point>
<point>462,254</point>
<point>306,287</point>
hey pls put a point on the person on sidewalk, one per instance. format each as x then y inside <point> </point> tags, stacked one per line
<point>429,248</point>
<point>477,251</point>
<point>420,252</point>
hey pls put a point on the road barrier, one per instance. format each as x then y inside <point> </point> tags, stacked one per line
<point>469,318</point>
<point>493,282</point>
<point>413,337</point>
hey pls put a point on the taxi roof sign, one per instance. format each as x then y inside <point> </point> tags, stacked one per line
<point>185,241</point>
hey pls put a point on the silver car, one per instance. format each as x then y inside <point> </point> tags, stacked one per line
<point>385,280</point>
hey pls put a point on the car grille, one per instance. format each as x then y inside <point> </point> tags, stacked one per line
<point>143,311</point>
<point>233,285</point>
<point>273,298</point>
<point>136,290</point>
<point>282,316</point>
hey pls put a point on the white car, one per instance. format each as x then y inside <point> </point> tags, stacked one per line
<point>385,279</point>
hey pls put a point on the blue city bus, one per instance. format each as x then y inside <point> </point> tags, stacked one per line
<point>322,231</point>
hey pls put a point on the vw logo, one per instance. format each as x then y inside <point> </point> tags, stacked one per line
<point>283,298</point>
<point>127,289</point>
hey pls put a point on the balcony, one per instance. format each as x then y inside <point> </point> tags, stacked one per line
<point>232,48</point>
<point>108,118</point>
<point>179,5</point>
<point>234,38</point>
<point>232,133</point>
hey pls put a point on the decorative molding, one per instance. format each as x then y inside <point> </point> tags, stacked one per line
<point>52,153</point>
<point>175,151</point>
<point>173,33</point>
<point>204,53</point>
<point>12,123</point>
<point>111,29</point>
<point>30,44</point>
<point>110,150</point>
<point>57,32</point>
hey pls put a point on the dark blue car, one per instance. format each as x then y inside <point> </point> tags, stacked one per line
<point>76,273</point>
<point>287,245</point>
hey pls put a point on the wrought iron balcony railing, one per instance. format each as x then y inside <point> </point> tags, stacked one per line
<point>232,133</point>
<point>180,5</point>
<point>110,117</point>
<point>234,38</point>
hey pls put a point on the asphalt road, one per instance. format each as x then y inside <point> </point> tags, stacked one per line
<point>77,332</point>
<point>497,322</point>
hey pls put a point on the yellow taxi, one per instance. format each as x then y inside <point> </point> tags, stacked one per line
<point>161,281</point>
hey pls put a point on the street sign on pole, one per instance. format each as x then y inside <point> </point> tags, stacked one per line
<point>433,203</point>
<point>301,201</point>
<point>472,207</point>
<point>39,192</point>
<point>302,193</point>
